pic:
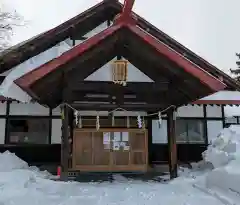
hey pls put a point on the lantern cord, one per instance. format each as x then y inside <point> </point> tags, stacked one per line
<point>121,109</point>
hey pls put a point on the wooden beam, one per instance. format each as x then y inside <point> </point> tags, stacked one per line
<point>105,86</point>
<point>65,143</point>
<point>109,107</point>
<point>121,98</point>
<point>172,145</point>
<point>65,132</point>
<point>127,7</point>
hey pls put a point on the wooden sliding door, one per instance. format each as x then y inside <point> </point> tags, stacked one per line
<point>110,150</point>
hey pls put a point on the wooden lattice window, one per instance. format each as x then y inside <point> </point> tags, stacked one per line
<point>119,72</point>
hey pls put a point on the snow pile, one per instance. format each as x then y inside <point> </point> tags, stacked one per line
<point>224,148</point>
<point>224,155</point>
<point>9,162</point>
<point>24,185</point>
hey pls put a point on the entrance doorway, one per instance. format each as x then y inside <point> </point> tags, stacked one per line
<point>110,150</point>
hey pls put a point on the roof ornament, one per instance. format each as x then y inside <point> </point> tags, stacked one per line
<point>126,15</point>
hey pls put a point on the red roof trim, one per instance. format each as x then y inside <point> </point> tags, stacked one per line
<point>218,102</point>
<point>188,66</point>
<point>28,79</point>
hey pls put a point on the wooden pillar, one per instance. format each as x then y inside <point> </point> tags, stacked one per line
<point>65,143</point>
<point>223,116</point>
<point>150,150</point>
<point>172,145</point>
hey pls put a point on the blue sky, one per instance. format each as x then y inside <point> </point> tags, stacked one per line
<point>208,27</point>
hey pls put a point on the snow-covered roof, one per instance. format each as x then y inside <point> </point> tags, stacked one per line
<point>221,97</point>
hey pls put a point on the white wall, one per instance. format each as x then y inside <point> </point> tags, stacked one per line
<point>56,131</point>
<point>190,111</point>
<point>3,108</point>
<point>56,111</point>
<point>214,111</point>
<point>2,130</point>
<point>105,74</point>
<point>159,134</point>
<point>28,109</point>
<point>2,122</point>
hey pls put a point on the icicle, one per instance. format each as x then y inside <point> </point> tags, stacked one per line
<point>159,119</point>
<point>76,117</point>
<point>128,122</point>
<point>80,122</point>
<point>139,121</point>
<point>97,123</point>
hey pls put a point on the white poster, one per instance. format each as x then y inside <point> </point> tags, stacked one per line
<point>116,146</point>
<point>117,137</point>
<point>106,138</point>
<point>125,136</point>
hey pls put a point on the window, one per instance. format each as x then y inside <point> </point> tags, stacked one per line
<point>190,131</point>
<point>231,121</point>
<point>30,131</point>
<point>213,129</point>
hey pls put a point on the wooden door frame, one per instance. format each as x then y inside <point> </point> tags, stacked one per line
<point>116,168</point>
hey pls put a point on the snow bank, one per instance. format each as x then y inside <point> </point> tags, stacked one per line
<point>224,148</point>
<point>224,155</point>
<point>9,162</point>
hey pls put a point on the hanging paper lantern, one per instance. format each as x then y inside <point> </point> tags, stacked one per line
<point>119,72</point>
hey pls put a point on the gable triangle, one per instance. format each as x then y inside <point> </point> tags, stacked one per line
<point>105,74</point>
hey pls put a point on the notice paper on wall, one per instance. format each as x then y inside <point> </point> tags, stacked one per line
<point>125,136</point>
<point>116,146</point>
<point>106,138</point>
<point>117,137</point>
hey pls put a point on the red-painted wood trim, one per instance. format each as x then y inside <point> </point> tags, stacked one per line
<point>127,7</point>
<point>27,80</point>
<point>217,102</point>
<point>205,77</point>
<point>126,15</point>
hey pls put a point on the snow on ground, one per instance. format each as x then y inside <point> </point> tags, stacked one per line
<point>23,185</point>
<point>213,181</point>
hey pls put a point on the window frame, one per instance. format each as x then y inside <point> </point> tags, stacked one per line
<point>14,117</point>
<point>188,140</point>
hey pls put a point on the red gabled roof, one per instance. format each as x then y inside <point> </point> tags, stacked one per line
<point>125,20</point>
<point>38,44</point>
